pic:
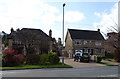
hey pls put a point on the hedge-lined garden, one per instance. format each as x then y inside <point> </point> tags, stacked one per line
<point>11,58</point>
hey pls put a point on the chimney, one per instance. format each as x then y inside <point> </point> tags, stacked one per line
<point>12,30</point>
<point>50,33</point>
<point>98,30</point>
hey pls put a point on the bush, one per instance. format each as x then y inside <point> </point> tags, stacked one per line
<point>108,55</point>
<point>8,52</point>
<point>117,55</point>
<point>53,58</point>
<point>11,59</point>
<point>32,59</point>
<point>20,59</point>
<point>99,59</point>
<point>44,59</point>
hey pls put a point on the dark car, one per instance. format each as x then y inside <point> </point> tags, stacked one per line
<point>85,57</point>
<point>77,57</point>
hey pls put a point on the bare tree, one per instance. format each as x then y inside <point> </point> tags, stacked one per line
<point>32,41</point>
<point>115,42</point>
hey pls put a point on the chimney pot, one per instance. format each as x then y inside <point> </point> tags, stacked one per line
<point>98,30</point>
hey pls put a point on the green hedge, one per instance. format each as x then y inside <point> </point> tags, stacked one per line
<point>99,58</point>
<point>44,59</point>
<point>50,58</point>
<point>32,59</point>
<point>53,58</point>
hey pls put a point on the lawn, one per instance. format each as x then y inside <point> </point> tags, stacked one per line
<point>36,66</point>
<point>110,59</point>
<point>107,64</point>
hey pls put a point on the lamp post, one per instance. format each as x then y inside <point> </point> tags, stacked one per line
<point>63,35</point>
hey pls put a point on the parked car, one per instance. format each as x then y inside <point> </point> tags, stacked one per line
<point>85,57</point>
<point>82,57</point>
<point>77,57</point>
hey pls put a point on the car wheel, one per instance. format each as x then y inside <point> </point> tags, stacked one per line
<point>74,59</point>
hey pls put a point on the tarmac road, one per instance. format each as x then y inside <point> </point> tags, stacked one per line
<point>99,71</point>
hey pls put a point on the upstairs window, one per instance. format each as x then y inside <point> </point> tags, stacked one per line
<point>86,42</point>
<point>98,43</point>
<point>78,42</point>
<point>90,42</point>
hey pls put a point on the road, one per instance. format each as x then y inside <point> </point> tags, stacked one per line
<point>98,71</point>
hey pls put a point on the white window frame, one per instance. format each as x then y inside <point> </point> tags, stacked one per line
<point>85,42</point>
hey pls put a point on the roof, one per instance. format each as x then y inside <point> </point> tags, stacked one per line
<point>36,31</point>
<point>85,34</point>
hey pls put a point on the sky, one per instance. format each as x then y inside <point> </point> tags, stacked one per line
<point>46,15</point>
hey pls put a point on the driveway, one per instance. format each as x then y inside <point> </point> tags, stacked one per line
<point>80,64</point>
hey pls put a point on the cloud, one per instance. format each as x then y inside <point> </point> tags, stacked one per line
<point>25,13</point>
<point>72,16</point>
<point>109,19</point>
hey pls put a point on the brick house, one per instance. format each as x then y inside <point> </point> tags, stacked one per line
<point>84,40</point>
<point>35,38</point>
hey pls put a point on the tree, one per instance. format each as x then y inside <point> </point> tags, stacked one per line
<point>32,40</point>
<point>115,42</point>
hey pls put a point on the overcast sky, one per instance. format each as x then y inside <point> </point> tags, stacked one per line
<point>46,15</point>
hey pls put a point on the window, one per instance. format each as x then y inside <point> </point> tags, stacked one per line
<point>98,51</point>
<point>90,42</point>
<point>85,42</point>
<point>78,42</point>
<point>98,43</point>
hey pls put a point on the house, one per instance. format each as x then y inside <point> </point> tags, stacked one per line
<point>84,40</point>
<point>28,38</point>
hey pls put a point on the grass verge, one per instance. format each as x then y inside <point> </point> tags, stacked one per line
<point>109,59</point>
<point>107,64</point>
<point>36,67</point>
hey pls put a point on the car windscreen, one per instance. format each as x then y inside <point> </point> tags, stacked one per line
<point>77,54</point>
<point>85,54</point>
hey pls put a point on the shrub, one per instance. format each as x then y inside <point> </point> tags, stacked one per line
<point>108,55</point>
<point>8,51</point>
<point>32,59</point>
<point>99,58</point>
<point>20,59</point>
<point>12,59</point>
<point>44,59</point>
<point>117,55</point>
<point>8,60</point>
<point>30,50</point>
<point>8,57</point>
<point>53,58</point>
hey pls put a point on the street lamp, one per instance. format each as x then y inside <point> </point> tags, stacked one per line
<point>63,35</point>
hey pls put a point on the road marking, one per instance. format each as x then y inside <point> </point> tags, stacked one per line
<point>114,75</point>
